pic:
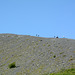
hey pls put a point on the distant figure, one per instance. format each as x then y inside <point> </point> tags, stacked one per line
<point>37,35</point>
<point>54,36</point>
<point>57,37</point>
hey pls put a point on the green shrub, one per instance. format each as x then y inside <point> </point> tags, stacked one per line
<point>12,65</point>
<point>54,56</point>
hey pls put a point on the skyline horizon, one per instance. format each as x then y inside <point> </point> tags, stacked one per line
<point>37,35</point>
<point>45,18</point>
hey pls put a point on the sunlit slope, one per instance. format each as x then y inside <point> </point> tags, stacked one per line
<point>35,55</point>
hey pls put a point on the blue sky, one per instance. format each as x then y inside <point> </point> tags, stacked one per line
<point>47,18</point>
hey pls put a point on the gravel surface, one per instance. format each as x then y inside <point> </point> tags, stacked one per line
<point>35,55</point>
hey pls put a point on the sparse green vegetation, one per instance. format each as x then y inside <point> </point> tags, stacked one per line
<point>44,45</point>
<point>8,35</point>
<point>36,43</point>
<point>66,72</point>
<point>61,52</point>
<point>51,52</point>
<point>64,55</point>
<point>27,39</point>
<point>48,45</point>
<point>12,65</point>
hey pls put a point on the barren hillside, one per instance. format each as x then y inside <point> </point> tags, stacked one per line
<point>35,55</point>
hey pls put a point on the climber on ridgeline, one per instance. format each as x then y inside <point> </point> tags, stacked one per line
<point>57,37</point>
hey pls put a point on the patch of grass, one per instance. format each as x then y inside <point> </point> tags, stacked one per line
<point>56,46</point>
<point>45,74</point>
<point>74,51</point>
<point>51,52</point>
<point>8,35</point>
<point>36,43</point>
<point>27,39</point>
<point>12,65</point>
<point>65,72</point>
<point>64,55</point>
<point>44,45</point>
<point>61,52</point>
<point>48,45</point>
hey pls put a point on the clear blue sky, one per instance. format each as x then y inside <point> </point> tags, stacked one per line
<point>47,18</point>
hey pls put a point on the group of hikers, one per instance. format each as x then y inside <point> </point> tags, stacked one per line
<point>54,36</point>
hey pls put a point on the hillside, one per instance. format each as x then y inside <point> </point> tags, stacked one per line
<point>35,55</point>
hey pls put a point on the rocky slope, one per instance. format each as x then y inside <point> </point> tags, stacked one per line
<point>35,55</point>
